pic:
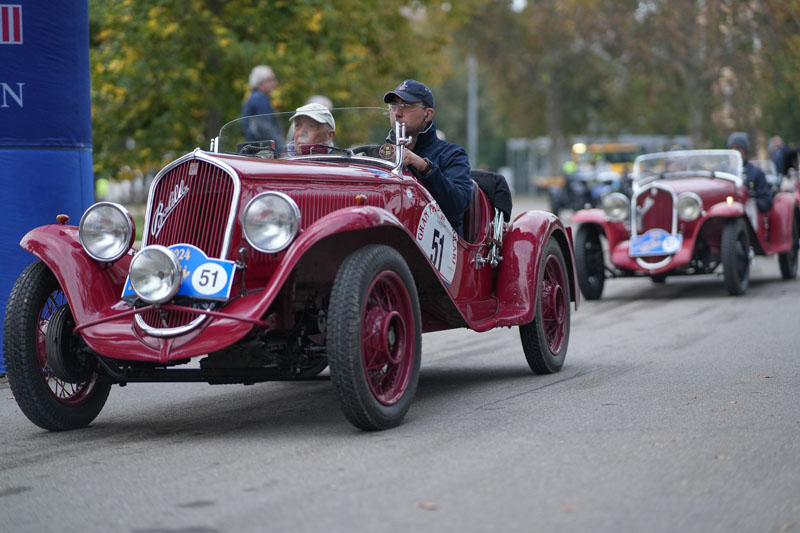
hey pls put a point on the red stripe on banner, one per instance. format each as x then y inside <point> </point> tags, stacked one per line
<point>4,17</point>
<point>17,24</point>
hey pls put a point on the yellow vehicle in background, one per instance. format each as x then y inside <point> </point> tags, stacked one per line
<point>592,172</point>
<point>618,156</point>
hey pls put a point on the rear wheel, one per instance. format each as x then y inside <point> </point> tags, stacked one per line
<point>545,339</point>
<point>374,340</point>
<point>589,262</point>
<point>736,256</point>
<point>48,401</point>
<point>788,260</point>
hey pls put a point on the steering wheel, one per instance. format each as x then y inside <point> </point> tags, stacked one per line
<point>370,150</point>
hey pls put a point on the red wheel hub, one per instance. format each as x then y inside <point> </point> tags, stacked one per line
<point>387,333</point>
<point>553,297</point>
<point>70,394</point>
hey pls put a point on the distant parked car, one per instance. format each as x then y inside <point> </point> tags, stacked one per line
<point>690,213</point>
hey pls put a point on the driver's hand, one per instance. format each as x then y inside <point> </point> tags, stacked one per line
<point>413,160</point>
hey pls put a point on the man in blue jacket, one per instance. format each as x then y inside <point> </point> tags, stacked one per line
<point>262,82</point>
<point>754,177</point>
<point>442,167</point>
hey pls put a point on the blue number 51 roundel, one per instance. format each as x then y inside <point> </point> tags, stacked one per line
<point>203,277</point>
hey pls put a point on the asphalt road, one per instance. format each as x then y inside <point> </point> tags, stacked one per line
<point>676,410</point>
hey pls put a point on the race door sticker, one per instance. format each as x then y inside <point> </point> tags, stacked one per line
<point>438,240</point>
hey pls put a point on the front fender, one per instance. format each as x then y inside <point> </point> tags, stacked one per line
<point>340,221</point>
<point>517,287</point>
<point>725,210</point>
<point>615,232</point>
<point>595,216</point>
<point>91,288</point>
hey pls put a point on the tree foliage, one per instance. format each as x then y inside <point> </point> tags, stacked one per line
<point>166,74</point>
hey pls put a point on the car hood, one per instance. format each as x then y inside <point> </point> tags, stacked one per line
<point>335,168</point>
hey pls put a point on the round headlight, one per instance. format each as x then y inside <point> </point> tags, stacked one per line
<point>616,206</point>
<point>106,231</point>
<point>155,274</point>
<point>270,222</point>
<point>689,206</point>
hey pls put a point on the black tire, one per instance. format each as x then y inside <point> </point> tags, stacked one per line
<point>374,339</point>
<point>589,262</point>
<point>735,254</point>
<point>46,400</point>
<point>545,339</point>
<point>788,260</point>
<point>658,279</point>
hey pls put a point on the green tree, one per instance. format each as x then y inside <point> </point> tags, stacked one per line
<point>166,74</point>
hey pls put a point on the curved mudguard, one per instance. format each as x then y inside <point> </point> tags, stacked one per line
<point>94,290</point>
<point>517,289</point>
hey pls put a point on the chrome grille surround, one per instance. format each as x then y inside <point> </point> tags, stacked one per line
<point>178,322</point>
<point>670,225</point>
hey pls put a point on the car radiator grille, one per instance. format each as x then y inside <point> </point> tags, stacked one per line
<point>658,215</point>
<point>660,212</point>
<point>205,197</point>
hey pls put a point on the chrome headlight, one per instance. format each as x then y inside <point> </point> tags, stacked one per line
<point>106,231</point>
<point>271,220</point>
<point>155,274</point>
<point>616,206</point>
<point>690,206</point>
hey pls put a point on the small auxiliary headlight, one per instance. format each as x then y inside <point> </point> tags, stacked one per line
<point>616,206</point>
<point>690,206</point>
<point>106,231</point>
<point>155,274</point>
<point>271,221</point>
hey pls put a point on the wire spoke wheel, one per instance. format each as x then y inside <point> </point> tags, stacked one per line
<point>48,401</point>
<point>589,262</point>
<point>387,346</point>
<point>545,339</point>
<point>374,339</point>
<point>735,256</point>
<point>788,260</point>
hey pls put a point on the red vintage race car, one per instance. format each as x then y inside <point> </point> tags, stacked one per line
<point>690,212</point>
<point>260,264</point>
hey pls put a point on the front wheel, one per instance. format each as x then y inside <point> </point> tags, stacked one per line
<point>589,262</point>
<point>736,256</point>
<point>788,260</point>
<point>374,340</point>
<point>545,339</point>
<point>48,401</point>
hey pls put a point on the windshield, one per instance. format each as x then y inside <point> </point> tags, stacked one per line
<point>726,164</point>
<point>309,133</point>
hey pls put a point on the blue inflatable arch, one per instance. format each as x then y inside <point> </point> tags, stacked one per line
<point>45,124</point>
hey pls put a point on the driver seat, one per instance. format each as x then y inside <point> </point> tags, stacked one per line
<point>474,215</point>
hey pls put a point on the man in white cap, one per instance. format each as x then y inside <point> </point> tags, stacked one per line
<point>314,129</point>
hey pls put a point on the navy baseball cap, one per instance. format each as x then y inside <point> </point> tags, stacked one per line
<point>411,91</point>
<point>739,139</point>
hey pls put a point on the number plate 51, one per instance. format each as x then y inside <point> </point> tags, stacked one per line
<point>204,277</point>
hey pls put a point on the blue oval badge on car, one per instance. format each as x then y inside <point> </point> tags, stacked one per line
<point>655,242</point>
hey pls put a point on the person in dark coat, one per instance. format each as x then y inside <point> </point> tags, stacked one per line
<point>442,167</point>
<point>754,177</point>
<point>262,82</point>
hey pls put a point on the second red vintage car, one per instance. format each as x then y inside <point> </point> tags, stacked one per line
<point>257,265</point>
<point>690,213</point>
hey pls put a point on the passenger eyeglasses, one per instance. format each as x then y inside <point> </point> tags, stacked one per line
<point>403,106</point>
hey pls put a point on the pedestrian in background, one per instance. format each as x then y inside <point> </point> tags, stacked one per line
<point>262,128</point>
